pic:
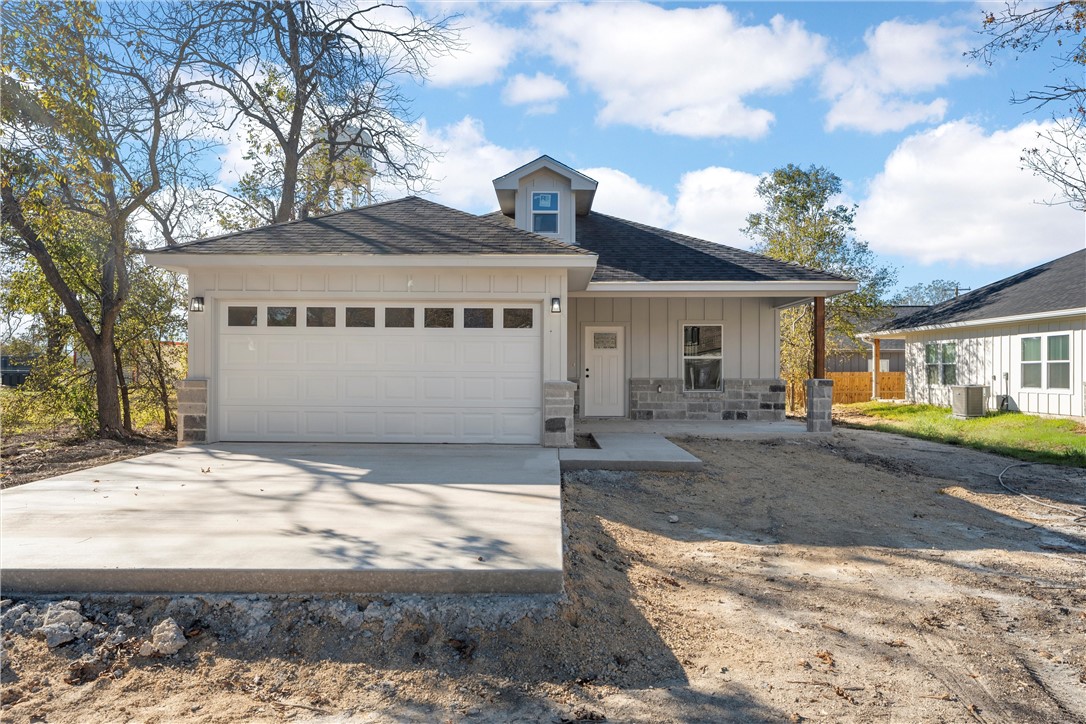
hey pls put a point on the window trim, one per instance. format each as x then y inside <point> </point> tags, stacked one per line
<point>683,356</point>
<point>941,364</point>
<point>533,213</point>
<point>1043,362</point>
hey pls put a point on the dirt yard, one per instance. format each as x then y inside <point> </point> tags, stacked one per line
<point>33,456</point>
<point>865,578</point>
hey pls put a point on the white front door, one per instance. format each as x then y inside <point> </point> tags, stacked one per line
<point>605,372</point>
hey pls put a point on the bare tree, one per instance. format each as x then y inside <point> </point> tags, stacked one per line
<point>315,85</point>
<point>1026,27</point>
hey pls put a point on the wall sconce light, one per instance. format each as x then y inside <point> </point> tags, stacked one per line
<point>196,304</point>
<point>556,304</point>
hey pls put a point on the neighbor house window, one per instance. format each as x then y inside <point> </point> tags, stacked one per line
<point>1047,359</point>
<point>545,213</point>
<point>941,361</point>
<point>702,356</point>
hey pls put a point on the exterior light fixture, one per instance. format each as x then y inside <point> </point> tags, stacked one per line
<point>196,304</point>
<point>556,304</point>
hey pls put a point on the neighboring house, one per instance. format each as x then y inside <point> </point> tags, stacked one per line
<point>857,356</point>
<point>1023,338</point>
<point>14,370</point>
<point>407,321</point>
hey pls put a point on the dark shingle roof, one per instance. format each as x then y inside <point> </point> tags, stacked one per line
<point>1056,285</point>
<point>405,226</point>
<point>633,252</point>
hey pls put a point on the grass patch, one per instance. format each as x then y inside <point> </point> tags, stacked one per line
<point>1025,437</point>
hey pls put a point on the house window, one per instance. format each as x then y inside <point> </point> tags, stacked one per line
<point>320,316</point>
<point>241,316</point>
<point>702,356</point>
<point>478,318</point>
<point>1047,357</point>
<point>282,316</point>
<point>941,361</point>
<point>545,213</point>
<point>360,317</point>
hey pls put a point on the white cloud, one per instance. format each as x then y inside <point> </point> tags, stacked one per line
<point>468,163</point>
<point>538,92</point>
<point>620,194</point>
<point>874,90</point>
<point>488,48</point>
<point>957,194</point>
<point>681,71</point>
<point>713,203</point>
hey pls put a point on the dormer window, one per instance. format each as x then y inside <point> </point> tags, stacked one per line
<point>545,213</point>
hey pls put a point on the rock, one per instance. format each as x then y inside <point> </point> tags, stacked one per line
<point>167,639</point>
<point>13,614</point>
<point>673,519</point>
<point>62,623</point>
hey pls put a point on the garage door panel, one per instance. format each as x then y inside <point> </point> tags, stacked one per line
<point>280,351</point>
<point>370,384</point>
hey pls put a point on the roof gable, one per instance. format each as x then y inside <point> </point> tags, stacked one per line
<point>582,187</point>
<point>1051,287</point>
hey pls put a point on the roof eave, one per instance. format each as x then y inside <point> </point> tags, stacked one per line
<point>722,288</point>
<point>901,332</point>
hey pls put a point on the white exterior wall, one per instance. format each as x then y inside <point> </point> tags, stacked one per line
<point>991,356</point>
<point>537,286</point>
<point>546,181</point>
<point>654,333</point>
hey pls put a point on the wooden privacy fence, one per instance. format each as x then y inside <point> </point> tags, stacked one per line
<point>853,387</point>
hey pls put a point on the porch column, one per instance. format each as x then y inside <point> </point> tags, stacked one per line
<point>819,338</point>
<point>875,370</point>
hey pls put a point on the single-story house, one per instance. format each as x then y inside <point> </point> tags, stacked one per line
<point>408,321</point>
<point>1023,338</point>
<point>859,355</point>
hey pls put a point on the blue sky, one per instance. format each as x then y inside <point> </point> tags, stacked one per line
<point>676,109</point>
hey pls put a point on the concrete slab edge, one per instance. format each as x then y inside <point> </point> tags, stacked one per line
<point>198,581</point>
<point>569,465</point>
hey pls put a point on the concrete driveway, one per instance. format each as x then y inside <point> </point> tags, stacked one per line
<point>280,518</point>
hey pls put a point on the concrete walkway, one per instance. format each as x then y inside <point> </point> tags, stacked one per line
<point>279,518</point>
<point>628,451</point>
<point>715,429</point>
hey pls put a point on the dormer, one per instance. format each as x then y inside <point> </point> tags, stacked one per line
<point>546,197</point>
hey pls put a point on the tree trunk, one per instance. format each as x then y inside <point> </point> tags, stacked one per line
<point>162,385</point>
<point>110,422</point>
<point>122,383</point>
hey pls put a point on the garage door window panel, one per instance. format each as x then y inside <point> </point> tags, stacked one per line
<point>320,316</point>
<point>478,318</point>
<point>361,317</point>
<point>241,316</point>
<point>399,317</point>
<point>438,318</point>
<point>517,318</point>
<point>282,316</point>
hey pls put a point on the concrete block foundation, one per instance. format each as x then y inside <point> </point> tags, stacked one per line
<point>819,406</point>
<point>558,400</point>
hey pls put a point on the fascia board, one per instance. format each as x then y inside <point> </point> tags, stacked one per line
<point>183,262</point>
<point>775,288</point>
<point>902,332</point>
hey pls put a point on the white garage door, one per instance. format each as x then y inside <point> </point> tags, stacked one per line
<point>358,372</point>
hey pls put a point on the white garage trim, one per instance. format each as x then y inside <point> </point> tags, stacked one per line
<point>379,383</point>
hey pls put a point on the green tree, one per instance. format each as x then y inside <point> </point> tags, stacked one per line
<point>88,125</point>
<point>802,224</point>
<point>1059,28</point>
<point>933,292</point>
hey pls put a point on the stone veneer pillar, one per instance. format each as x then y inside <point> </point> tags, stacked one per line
<point>819,405</point>
<point>191,411</point>
<point>558,397</point>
